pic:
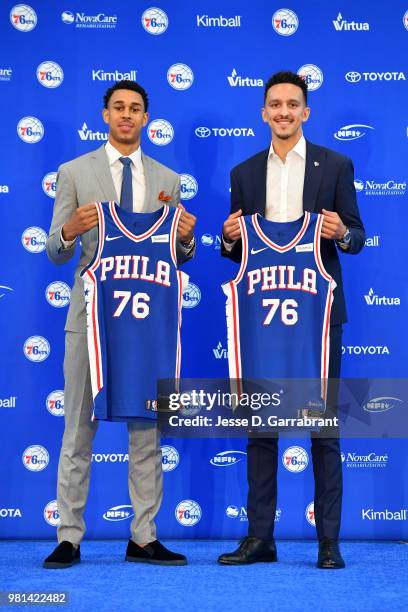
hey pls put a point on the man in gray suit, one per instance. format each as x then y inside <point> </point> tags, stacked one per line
<point>97,176</point>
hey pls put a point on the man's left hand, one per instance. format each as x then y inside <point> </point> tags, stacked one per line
<point>333,227</point>
<point>186,224</point>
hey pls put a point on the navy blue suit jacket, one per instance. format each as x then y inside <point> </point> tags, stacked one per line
<point>328,184</point>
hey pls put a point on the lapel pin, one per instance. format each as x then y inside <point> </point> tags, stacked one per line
<point>316,163</point>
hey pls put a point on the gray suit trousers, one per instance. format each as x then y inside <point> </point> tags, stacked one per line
<point>145,477</point>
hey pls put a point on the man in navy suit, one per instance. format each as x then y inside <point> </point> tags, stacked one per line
<point>292,176</point>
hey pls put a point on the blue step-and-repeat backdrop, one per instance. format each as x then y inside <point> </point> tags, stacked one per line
<point>204,65</point>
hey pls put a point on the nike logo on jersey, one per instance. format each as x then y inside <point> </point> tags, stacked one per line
<point>255,251</point>
<point>109,238</point>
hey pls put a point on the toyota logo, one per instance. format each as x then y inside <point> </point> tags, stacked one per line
<point>202,132</point>
<point>353,77</point>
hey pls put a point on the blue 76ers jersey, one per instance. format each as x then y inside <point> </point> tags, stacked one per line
<point>278,306</point>
<point>133,294</point>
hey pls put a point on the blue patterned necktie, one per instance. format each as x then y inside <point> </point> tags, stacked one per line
<point>126,194</point>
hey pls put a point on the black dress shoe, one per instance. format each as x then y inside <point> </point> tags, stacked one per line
<point>64,555</point>
<point>250,550</point>
<point>154,552</point>
<point>329,555</point>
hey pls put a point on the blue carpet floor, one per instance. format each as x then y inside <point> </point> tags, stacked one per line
<point>375,579</point>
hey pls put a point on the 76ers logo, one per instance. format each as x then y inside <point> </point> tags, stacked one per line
<point>36,458</point>
<point>155,21</point>
<point>55,403</point>
<point>310,515</point>
<point>188,512</point>
<point>49,184</point>
<point>36,348</point>
<point>34,239</point>
<point>58,294</point>
<point>160,132</point>
<point>51,513</point>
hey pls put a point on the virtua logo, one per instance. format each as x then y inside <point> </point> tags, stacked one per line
<point>384,515</point>
<point>372,299</point>
<point>4,189</point>
<point>220,352</point>
<point>10,513</point>
<point>341,24</point>
<point>86,134</point>
<point>365,350</point>
<point>101,75</point>
<point>237,81</point>
<point>219,22</point>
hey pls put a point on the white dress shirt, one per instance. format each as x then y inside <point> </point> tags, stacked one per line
<point>284,183</point>
<point>138,177</point>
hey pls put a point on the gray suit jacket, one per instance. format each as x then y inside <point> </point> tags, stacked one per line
<point>88,179</point>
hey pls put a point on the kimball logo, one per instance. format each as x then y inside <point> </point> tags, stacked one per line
<point>384,515</point>
<point>352,131</point>
<point>219,22</point>
<point>370,460</point>
<point>220,352</point>
<point>342,25</point>
<point>8,402</point>
<point>371,187</point>
<point>115,75</point>
<point>87,134</point>
<point>372,299</point>
<point>238,81</point>
<point>373,241</point>
<point>381,404</point>
<point>4,189</point>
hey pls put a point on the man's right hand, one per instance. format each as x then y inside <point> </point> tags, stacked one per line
<point>83,219</point>
<point>231,229</point>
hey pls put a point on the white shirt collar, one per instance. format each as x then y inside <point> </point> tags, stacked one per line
<point>299,148</point>
<point>113,155</point>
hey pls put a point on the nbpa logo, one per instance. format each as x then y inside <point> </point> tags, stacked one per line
<point>155,21</point>
<point>285,22</point>
<point>49,184</point>
<point>188,512</point>
<point>312,75</point>
<point>51,513</point>
<point>170,458</point>
<point>37,348</point>
<point>227,458</point>
<point>191,296</point>
<point>352,131</point>
<point>180,76</point>
<point>23,17</point>
<point>50,74</point>
<point>160,132</point>
<point>30,129</point>
<point>295,459</point>
<point>119,513</point>
<point>36,458</point>
<point>33,239</point>
<point>55,403</point>
<point>188,187</point>
<point>310,515</point>
<point>58,294</point>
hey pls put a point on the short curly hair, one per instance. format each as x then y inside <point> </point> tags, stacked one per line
<point>125,84</point>
<point>286,77</point>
